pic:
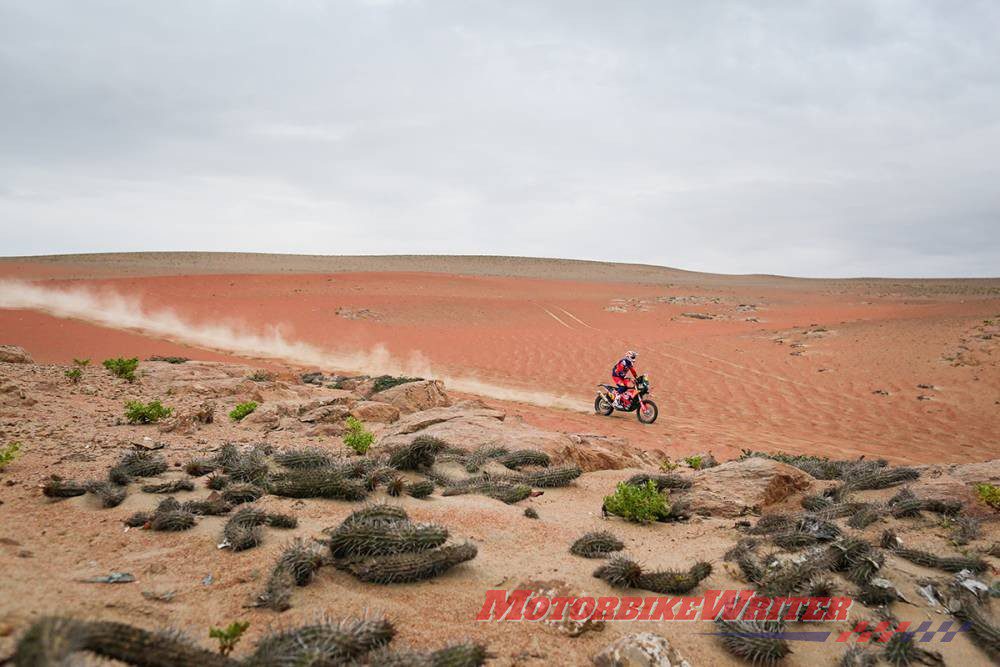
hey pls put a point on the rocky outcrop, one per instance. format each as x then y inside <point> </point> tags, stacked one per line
<point>375,412</point>
<point>643,649</point>
<point>413,397</point>
<point>958,482</point>
<point>187,420</point>
<point>598,452</point>
<point>12,354</point>
<point>738,487</point>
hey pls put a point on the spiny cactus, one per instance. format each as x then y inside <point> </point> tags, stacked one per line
<point>814,503</point>
<point>420,489</point>
<point>754,641</point>
<point>395,486</point>
<point>110,495</point>
<point>662,481</point>
<point>673,582</point>
<point>168,504</point>
<point>464,654</point>
<point>620,571</point>
<point>858,655</point>
<point>417,455</point>
<point>481,456</point>
<point>277,594</point>
<point>793,577</point>
<point>251,468</point>
<point>242,531</point>
<point>217,481</point>
<point>531,512</point>
<point>278,520</point>
<point>793,540</point>
<point>325,643</point>
<point>172,520</point>
<point>169,487</point>
<point>140,463</point>
<point>238,493</point>
<point>304,458</point>
<point>864,517</point>
<point>769,524</point>
<point>881,478</point>
<point>301,560</point>
<point>377,512</point>
<point>874,595</point>
<point>214,505</point>
<point>965,529</point>
<point>374,538</point>
<point>901,649</point>
<point>317,483</point>
<point>984,633</point>
<point>524,457</point>
<point>746,544</point>
<point>377,475</point>
<point>927,559</point>
<point>199,467</point>
<point>596,544</point>
<point>840,510</point>
<point>408,567</point>
<point>507,493</point>
<point>139,519</point>
<point>551,477</point>
<point>57,487</point>
<point>119,475</point>
<point>52,640</point>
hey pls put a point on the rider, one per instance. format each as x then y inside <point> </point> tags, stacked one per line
<point>618,375</point>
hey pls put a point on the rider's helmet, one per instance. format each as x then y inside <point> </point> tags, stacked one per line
<point>630,355</point>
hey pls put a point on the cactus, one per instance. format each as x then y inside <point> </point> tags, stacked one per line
<point>662,481</point>
<point>769,524</point>
<point>464,654</point>
<point>285,521</point>
<point>965,530</point>
<point>374,538</point>
<point>109,494</point>
<point>984,633</point>
<point>901,650</point>
<point>857,655</point>
<point>169,487</point>
<point>381,474</point>
<point>620,571</point>
<point>481,456</point>
<point>140,463</point>
<point>395,486</point>
<point>420,489</point>
<point>199,467</point>
<point>531,512</point>
<point>597,544</point>
<point>673,582</point>
<point>409,567</point>
<point>317,483</point>
<point>864,517</point>
<point>324,643</point>
<point>214,505</point>
<point>252,469</point>
<point>551,477</point>
<point>793,577</point>
<point>217,481</point>
<point>745,545</point>
<point>139,519</point>
<point>881,478</point>
<point>377,512</point>
<point>238,493</point>
<point>507,493</point>
<point>840,510</point>
<point>301,560</point>
<point>794,540</point>
<point>277,594</point>
<point>753,570</point>
<point>874,595</point>
<point>172,520</point>
<point>304,459</point>
<point>524,457</point>
<point>754,641</point>
<point>52,640</point>
<point>119,475</point>
<point>242,531</point>
<point>57,487</point>
<point>417,455</point>
<point>946,563</point>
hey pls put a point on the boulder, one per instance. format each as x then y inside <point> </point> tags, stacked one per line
<point>12,354</point>
<point>958,482</point>
<point>333,413</point>
<point>598,452</point>
<point>642,649</point>
<point>374,411</point>
<point>187,420</point>
<point>738,487</point>
<point>413,397</point>
<point>418,421</point>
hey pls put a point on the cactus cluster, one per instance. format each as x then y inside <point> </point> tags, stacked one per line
<point>57,487</point>
<point>756,642</point>
<point>662,481</point>
<point>110,495</point>
<point>304,458</point>
<point>418,455</point>
<point>296,566</point>
<point>624,572</point>
<point>237,493</point>
<point>931,560</point>
<point>169,487</point>
<point>596,544</point>
<point>985,633</point>
<point>243,529</point>
<point>317,483</point>
<point>200,467</point>
<point>522,458</point>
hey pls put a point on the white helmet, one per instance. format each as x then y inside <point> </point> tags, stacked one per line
<point>630,355</point>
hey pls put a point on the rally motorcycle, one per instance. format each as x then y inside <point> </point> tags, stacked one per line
<point>644,409</point>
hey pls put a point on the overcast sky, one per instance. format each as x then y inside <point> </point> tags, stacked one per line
<point>807,138</point>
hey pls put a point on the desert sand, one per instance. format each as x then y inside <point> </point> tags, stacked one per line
<point>905,370</point>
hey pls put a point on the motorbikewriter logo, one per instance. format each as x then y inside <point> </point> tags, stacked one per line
<point>731,605</point>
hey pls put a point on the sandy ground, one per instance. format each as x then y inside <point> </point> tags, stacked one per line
<point>801,379</point>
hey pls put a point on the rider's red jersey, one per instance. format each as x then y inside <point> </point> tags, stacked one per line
<point>622,367</point>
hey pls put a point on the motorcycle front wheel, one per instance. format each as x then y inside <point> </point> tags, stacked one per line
<point>602,405</point>
<point>647,412</point>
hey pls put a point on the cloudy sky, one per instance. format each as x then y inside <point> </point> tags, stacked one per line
<point>808,138</point>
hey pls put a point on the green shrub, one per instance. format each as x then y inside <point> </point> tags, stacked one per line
<point>357,438</point>
<point>138,412</point>
<point>229,637</point>
<point>169,360</point>
<point>122,368</point>
<point>74,375</point>
<point>694,461</point>
<point>242,410</point>
<point>666,465</point>
<point>641,504</point>
<point>384,382</point>
<point>989,494</point>
<point>9,453</point>
<point>81,362</point>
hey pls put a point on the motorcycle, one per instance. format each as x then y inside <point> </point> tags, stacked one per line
<point>645,410</point>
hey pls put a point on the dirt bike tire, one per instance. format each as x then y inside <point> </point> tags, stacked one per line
<point>651,413</point>
<point>602,406</point>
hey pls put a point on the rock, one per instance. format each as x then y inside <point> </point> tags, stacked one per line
<point>187,420</point>
<point>13,395</point>
<point>375,411</point>
<point>12,354</point>
<point>737,487</point>
<point>698,316</point>
<point>598,452</point>
<point>958,482</point>
<point>415,396</point>
<point>643,649</point>
<point>313,377</point>
<point>332,413</point>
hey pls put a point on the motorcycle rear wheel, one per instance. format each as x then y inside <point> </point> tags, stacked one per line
<point>603,406</point>
<point>647,412</point>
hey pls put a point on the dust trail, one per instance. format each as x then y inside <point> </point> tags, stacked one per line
<point>118,311</point>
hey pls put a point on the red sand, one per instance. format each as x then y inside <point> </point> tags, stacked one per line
<point>721,384</point>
